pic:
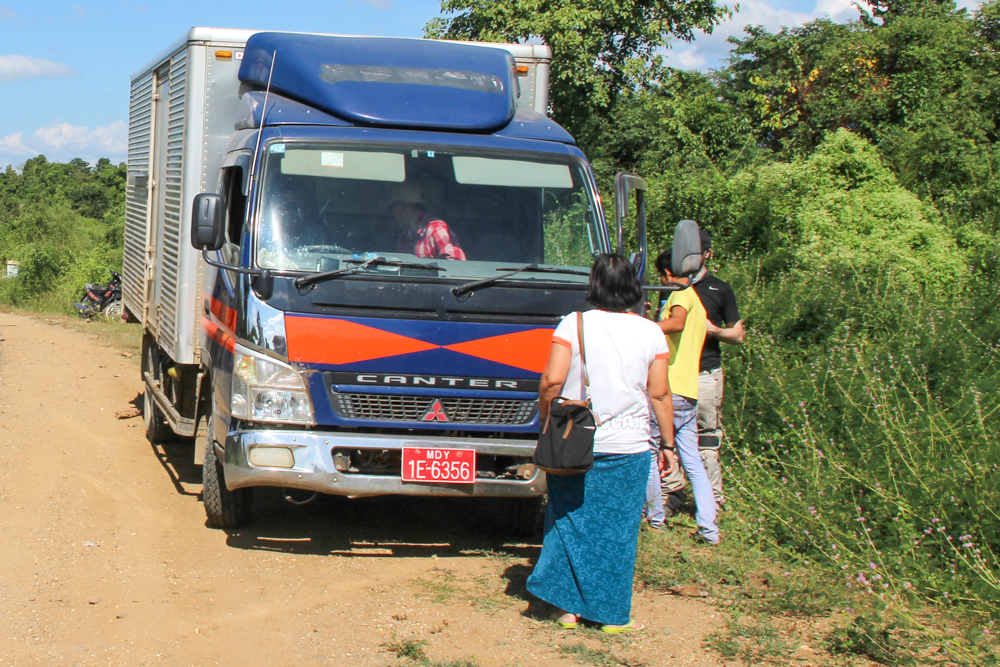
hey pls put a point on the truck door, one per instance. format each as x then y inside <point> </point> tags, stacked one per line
<point>630,230</point>
<point>154,226</point>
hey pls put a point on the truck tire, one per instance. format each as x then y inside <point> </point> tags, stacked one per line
<point>223,508</point>
<point>522,517</point>
<point>158,430</point>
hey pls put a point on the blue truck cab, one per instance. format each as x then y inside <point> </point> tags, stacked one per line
<point>379,250</point>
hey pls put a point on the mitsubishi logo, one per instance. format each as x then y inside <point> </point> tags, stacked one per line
<point>435,413</point>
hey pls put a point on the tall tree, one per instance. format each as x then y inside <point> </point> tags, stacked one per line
<point>601,48</point>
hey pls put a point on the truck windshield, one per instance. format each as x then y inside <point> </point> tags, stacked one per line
<point>326,207</point>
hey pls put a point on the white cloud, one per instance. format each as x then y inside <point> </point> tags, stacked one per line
<point>63,141</point>
<point>711,50</point>
<point>108,140</point>
<point>19,68</point>
<point>13,145</point>
<point>137,9</point>
<point>379,4</point>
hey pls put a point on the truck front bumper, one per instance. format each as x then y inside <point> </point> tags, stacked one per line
<point>314,467</point>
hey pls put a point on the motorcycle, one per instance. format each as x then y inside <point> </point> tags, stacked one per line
<point>103,300</point>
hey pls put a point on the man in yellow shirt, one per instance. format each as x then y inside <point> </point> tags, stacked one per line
<point>684,322</point>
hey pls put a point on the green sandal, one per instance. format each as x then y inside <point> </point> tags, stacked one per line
<point>631,626</point>
<point>567,625</point>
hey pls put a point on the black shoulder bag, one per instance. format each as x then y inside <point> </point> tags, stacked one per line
<point>566,442</point>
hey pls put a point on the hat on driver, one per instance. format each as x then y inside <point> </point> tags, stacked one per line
<point>406,192</point>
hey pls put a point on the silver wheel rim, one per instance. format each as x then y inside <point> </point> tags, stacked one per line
<point>114,311</point>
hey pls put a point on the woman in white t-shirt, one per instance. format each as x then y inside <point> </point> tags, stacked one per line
<point>592,519</point>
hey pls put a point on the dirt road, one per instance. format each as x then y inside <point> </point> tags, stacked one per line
<point>105,558</point>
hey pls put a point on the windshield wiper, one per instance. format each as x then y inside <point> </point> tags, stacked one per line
<point>460,290</point>
<point>362,265</point>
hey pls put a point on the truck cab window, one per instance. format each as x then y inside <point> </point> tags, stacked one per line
<point>472,214</point>
<point>236,202</point>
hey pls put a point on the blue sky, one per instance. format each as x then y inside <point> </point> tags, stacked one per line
<point>65,65</point>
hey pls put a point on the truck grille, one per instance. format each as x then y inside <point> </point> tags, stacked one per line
<point>385,407</point>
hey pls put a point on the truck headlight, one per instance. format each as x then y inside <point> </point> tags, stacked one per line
<point>265,390</point>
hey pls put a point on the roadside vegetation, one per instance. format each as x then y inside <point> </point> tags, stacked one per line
<point>848,174</point>
<point>64,224</point>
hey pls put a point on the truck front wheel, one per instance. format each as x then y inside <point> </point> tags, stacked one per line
<point>224,508</point>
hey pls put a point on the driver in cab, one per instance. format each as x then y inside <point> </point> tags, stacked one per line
<point>423,234</point>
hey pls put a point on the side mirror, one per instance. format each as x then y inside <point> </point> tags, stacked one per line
<point>625,183</point>
<point>686,259</point>
<point>208,222</point>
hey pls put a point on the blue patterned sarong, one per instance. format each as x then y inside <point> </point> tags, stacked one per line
<point>591,534</point>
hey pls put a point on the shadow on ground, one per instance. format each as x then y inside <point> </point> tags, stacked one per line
<point>386,526</point>
<point>177,458</point>
<point>517,579</point>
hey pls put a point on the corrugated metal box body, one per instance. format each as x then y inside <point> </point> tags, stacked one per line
<point>184,105</point>
<point>183,108</point>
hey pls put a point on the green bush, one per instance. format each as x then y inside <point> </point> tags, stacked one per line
<point>841,207</point>
<point>863,420</point>
<point>63,223</point>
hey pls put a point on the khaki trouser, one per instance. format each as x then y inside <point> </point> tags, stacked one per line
<point>710,390</point>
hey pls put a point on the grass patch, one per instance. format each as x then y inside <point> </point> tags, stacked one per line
<point>671,559</point>
<point>118,336</point>
<point>751,641</point>
<point>782,609</point>
<point>503,558</point>
<point>600,657</point>
<point>407,649</point>
<point>879,639</point>
<point>498,588</point>
<point>412,651</point>
<point>491,596</point>
<point>440,591</point>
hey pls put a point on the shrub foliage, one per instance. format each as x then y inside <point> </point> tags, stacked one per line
<point>64,225</point>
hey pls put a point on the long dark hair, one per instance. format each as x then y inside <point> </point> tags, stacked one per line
<point>613,284</point>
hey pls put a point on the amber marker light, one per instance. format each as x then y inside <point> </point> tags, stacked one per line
<point>223,55</point>
<point>522,69</point>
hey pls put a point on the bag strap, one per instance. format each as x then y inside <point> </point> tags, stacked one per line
<point>583,356</point>
<point>573,404</point>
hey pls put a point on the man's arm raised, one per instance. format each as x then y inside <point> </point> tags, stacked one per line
<point>732,334</point>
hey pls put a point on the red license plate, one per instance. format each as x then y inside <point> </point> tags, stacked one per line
<point>452,466</point>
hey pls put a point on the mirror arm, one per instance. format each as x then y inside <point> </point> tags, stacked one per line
<point>230,267</point>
